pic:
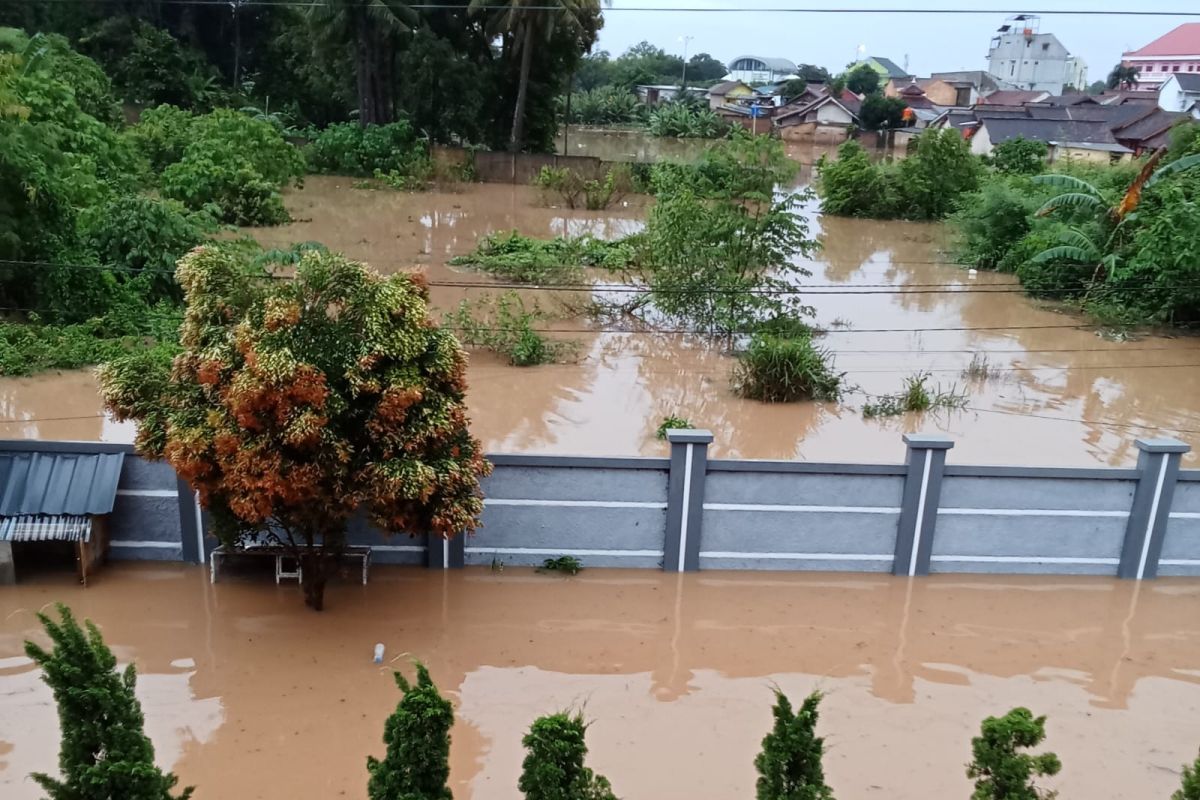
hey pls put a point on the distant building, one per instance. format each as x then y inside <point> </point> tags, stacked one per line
<point>1022,56</point>
<point>1013,97</point>
<point>1175,52</point>
<point>938,91</point>
<point>825,119</point>
<point>1180,92</point>
<point>653,94</point>
<point>977,83</point>
<point>759,69</point>
<point>886,68</point>
<point>728,92</point>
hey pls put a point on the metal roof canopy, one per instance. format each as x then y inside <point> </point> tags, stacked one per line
<point>58,483</point>
<point>63,528</point>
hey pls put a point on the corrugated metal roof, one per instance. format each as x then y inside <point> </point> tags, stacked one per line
<point>46,529</point>
<point>58,483</point>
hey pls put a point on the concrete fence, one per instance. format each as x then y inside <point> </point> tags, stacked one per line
<point>687,512</point>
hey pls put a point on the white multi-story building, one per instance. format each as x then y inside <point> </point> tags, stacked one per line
<point>1023,57</point>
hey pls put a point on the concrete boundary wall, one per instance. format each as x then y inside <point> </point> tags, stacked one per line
<point>686,512</point>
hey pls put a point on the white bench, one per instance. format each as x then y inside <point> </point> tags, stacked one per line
<point>219,554</point>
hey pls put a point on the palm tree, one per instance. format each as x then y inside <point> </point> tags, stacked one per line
<point>1095,245</point>
<point>371,25</point>
<point>520,23</point>
<point>1123,76</point>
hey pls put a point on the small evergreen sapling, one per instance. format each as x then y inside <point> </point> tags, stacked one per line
<point>789,766</point>
<point>1189,788</point>
<point>417,735</point>
<point>1000,772</point>
<point>553,768</point>
<point>104,753</point>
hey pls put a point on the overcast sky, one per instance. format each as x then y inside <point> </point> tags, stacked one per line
<point>932,42</point>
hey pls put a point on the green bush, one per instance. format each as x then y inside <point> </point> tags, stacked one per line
<point>575,191</point>
<point>351,149</point>
<point>992,222</point>
<point>553,768</point>
<point>1002,773</point>
<point>149,66</point>
<point>417,735</point>
<point>670,423</point>
<point>1190,788</point>
<point>605,105</point>
<point>744,167</point>
<point>259,143</point>
<point>785,370</point>
<point>686,121</point>
<point>505,326</point>
<point>162,134</point>
<point>90,86</point>
<point>852,186</point>
<point>789,766</point>
<point>510,255</point>
<point>1019,156</point>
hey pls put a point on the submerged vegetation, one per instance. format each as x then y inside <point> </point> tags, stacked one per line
<point>504,325</point>
<point>917,395</point>
<point>776,369</point>
<point>561,260</point>
<point>573,190</point>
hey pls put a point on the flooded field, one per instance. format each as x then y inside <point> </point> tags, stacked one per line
<point>249,695</point>
<point>1057,393</point>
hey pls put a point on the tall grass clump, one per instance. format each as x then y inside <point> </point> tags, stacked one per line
<point>917,395</point>
<point>776,369</point>
<point>508,254</point>
<point>505,326</point>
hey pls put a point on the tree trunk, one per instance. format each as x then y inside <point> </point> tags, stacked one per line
<point>313,566</point>
<point>518,127</point>
<point>363,62</point>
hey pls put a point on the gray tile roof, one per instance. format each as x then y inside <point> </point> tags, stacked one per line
<point>1002,128</point>
<point>893,69</point>
<point>58,483</point>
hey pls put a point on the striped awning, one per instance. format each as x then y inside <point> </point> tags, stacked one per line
<point>38,528</point>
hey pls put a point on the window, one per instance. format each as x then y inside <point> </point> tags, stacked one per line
<point>1012,68</point>
<point>1045,46</point>
<point>1176,68</point>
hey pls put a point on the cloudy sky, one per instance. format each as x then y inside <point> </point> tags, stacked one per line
<point>931,41</point>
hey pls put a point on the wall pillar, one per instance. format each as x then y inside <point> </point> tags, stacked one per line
<point>190,527</point>
<point>445,553</point>
<point>1158,463</point>
<point>8,569</point>
<point>919,505</point>
<point>685,499</point>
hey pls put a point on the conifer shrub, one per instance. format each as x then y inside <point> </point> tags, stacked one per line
<point>104,753</point>
<point>789,766</point>
<point>1190,783</point>
<point>999,770</point>
<point>417,735</point>
<point>553,768</point>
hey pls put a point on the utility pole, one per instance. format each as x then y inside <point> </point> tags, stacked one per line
<point>236,6</point>
<point>683,82</point>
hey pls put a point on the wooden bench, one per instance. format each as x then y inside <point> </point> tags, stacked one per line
<point>219,554</point>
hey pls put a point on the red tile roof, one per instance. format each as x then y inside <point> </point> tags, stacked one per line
<point>1183,41</point>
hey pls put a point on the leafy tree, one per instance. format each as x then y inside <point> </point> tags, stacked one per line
<point>702,68</point>
<point>104,753</point>
<point>793,89</point>
<point>1020,156</point>
<point>994,221</point>
<point>1190,788</point>
<point>1123,76</point>
<point>942,169</point>
<point>789,766</point>
<point>553,768</point>
<point>295,404</point>
<point>879,112</point>
<point>417,735</point>
<point>811,73</point>
<point>595,70</point>
<point>521,24</point>
<point>147,64</point>
<point>852,186</point>
<point>1002,773</point>
<point>442,89</point>
<point>862,79</point>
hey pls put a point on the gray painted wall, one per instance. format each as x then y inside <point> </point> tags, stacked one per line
<point>686,512</point>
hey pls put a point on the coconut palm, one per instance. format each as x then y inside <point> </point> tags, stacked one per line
<point>371,25</point>
<point>520,24</point>
<point>1095,244</point>
<point>1123,76</point>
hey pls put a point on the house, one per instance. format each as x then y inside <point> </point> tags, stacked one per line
<point>728,92</point>
<point>826,119</point>
<point>886,68</point>
<point>1073,135</point>
<point>977,82</point>
<point>1179,92</point>
<point>653,94</point>
<point>939,92</point>
<point>1013,97</point>
<point>759,69</point>
<point>1148,130</point>
<point>1096,152</point>
<point>1177,52</point>
<point>1021,55</point>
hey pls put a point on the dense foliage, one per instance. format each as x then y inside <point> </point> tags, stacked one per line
<point>510,255</point>
<point>417,735</point>
<point>645,63</point>
<point>566,186</point>
<point>506,326</point>
<point>104,752</point>
<point>350,149</point>
<point>1019,156</point>
<point>925,185</point>
<point>785,369</point>
<point>1000,771</point>
<point>1190,782</point>
<point>295,404</point>
<point>686,121</point>
<point>554,762</point>
<point>789,766</point>
<point>878,112</point>
<point>605,105</point>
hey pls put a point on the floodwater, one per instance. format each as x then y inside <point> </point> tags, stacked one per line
<point>247,694</point>
<point>1059,393</point>
<point>638,146</point>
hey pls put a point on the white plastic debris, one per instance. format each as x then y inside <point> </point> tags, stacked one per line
<point>973,273</point>
<point>379,653</point>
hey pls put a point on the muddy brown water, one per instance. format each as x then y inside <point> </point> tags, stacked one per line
<point>1061,394</point>
<point>249,695</point>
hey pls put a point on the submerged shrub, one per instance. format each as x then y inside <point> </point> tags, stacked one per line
<point>775,369</point>
<point>505,326</point>
<point>687,121</point>
<point>417,735</point>
<point>992,222</point>
<point>348,148</point>
<point>789,766</point>
<point>508,254</point>
<point>553,768</point>
<point>575,191</point>
<point>1190,782</point>
<point>1002,773</point>
<point>917,396</point>
<point>671,423</point>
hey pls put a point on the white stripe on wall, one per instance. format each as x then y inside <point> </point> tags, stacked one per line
<point>199,526</point>
<point>1023,560</point>
<point>573,503</point>
<point>1158,489</point>
<point>156,545</point>
<point>916,543</point>
<point>799,556</point>
<point>147,493</point>
<point>687,502</point>
<point>537,551</point>
<point>1029,512</point>
<point>1179,562</point>
<point>397,548</point>
<point>445,554</point>
<point>1184,515</point>
<point>802,509</point>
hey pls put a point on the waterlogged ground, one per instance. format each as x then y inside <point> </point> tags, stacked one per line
<point>249,695</point>
<point>1059,394</point>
